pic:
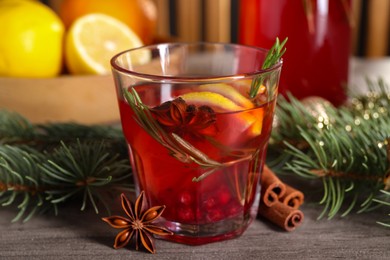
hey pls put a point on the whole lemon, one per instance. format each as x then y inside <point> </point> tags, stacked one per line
<point>139,15</point>
<point>31,40</point>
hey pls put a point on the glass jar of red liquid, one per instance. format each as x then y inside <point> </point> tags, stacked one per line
<point>318,49</point>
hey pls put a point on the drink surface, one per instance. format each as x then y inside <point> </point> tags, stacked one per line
<point>318,48</point>
<point>220,123</point>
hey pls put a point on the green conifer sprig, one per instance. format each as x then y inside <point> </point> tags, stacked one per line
<point>14,128</point>
<point>42,166</point>
<point>20,181</point>
<point>345,148</point>
<point>87,169</point>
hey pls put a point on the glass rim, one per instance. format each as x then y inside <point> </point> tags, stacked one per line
<point>149,76</point>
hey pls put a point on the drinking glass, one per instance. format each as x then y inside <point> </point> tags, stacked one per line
<point>197,118</point>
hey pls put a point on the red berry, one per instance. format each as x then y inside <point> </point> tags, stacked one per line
<point>199,215</point>
<point>224,195</point>
<point>209,203</point>
<point>215,215</point>
<point>186,198</point>
<point>186,214</point>
<point>234,210</point>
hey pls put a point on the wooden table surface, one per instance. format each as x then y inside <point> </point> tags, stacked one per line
<point>82,235</point>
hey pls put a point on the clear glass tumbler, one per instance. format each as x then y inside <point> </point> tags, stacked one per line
<point>197,118</point>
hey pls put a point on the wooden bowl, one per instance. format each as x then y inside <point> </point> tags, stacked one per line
<point>81,99</point>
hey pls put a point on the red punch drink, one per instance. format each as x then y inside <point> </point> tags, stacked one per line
<point>197,139</point>
<point>319,40</point>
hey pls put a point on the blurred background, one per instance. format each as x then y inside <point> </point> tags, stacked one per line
<point>217,20</point>
<point>320,68</point>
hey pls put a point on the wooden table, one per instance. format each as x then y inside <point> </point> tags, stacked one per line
<point>82,235</point>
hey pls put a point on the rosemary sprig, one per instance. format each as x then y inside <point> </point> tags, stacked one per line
<point>178,147</point>
<point>273,56</point>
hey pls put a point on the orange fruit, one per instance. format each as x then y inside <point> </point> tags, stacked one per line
<point>139,15</point>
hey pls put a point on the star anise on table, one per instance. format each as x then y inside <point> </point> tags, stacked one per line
<point>138,225</point>
<point>181,118</point>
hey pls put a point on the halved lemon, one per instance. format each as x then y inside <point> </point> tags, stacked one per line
<point>94,39</point>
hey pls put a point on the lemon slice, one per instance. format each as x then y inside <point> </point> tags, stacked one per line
<point>94,39</point>
<point>219,103</point>
<point>246,86</point>
<point>214,100</point>
<point>229,92</point>
<point>257,125</point>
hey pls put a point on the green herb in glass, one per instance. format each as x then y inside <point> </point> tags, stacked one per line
<point>177,146</point>
<point>273,56</point>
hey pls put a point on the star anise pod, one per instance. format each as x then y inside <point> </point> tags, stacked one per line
<point>178,117</point>
<point>138,225</point>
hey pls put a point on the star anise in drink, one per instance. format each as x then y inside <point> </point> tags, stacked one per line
<point>181,118</point>
<point>138,225</point>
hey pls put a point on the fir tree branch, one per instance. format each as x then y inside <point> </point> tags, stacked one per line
<point>14,127</point>
<point>16,130</point>
<point>84,169</point>
<point>347,150</point>
<point>20,181</point>
<point>42,166</point>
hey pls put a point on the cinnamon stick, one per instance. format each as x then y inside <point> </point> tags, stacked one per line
<point>292,197</point>
<point>272,188</point>
<point>282,215</point>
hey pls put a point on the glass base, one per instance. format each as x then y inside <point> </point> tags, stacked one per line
<point>192,234</point>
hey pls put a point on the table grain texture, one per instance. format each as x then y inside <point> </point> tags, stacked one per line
<point>82,235</point>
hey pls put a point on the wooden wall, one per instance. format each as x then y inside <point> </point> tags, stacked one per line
<point>373,28</point>
<point>198,20</point>
<point>217,20</point>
